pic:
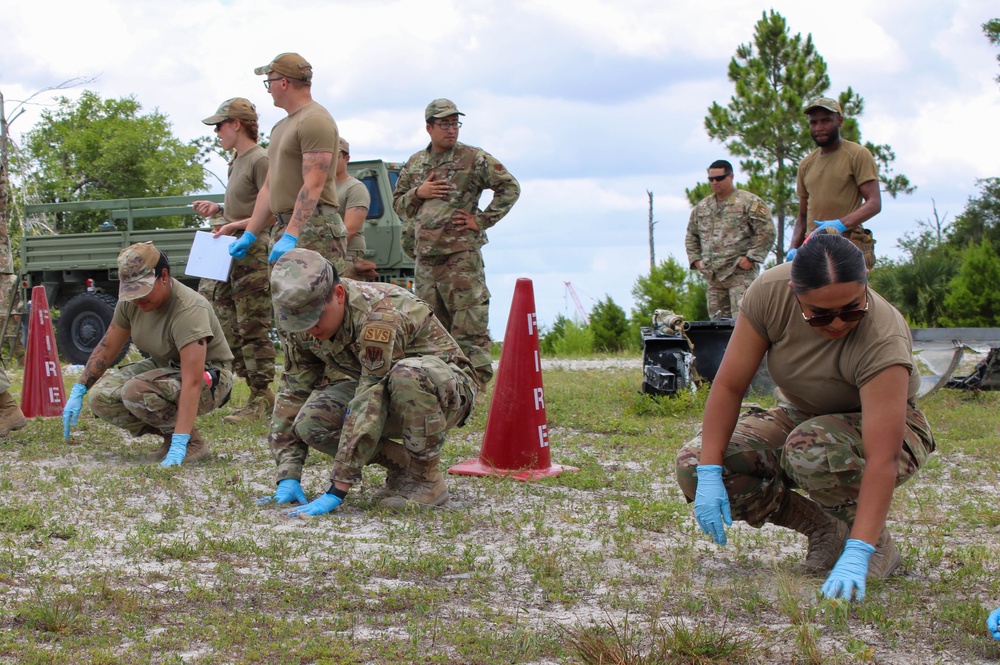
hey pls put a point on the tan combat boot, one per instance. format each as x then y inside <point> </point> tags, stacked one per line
<point>259,406</point>
<point>197,448</point>
<point>160,453</point>
<point>826,534</point>
<point>886,558</point>
<point>423,486</point>
<point>11,417</point>
<point>396,460</point>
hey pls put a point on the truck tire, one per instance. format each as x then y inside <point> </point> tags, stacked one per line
<point>82,324</point>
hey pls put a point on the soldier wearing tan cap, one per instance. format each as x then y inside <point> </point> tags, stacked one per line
<point>243,303</point>
<point>437,195</point>
<point>354,201</point>
<point>406,384</point>
<point>837,183</point>
<point>300,189</point>
<point>188,371</point>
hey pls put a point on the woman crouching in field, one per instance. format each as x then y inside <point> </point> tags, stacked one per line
<point>846,430</point>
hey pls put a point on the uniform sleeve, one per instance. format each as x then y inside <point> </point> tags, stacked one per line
<point>506,190</point>
<point>260,172</point>
<point>120,317</point>
<point>864,167</point>
<point>302,373</point>
<point>800,179</point>
<point>406,205</point>
<point>692,239</point>
<point>192,324</point>
<point>318,134</point>
<point>762,226</point>
<point>357,196</point>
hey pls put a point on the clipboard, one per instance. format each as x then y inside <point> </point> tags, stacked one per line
<point>209,257</point>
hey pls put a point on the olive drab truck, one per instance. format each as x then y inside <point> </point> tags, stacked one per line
<point>80,274</point>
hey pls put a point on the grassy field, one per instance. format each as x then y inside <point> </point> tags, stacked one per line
<point>107,560</point>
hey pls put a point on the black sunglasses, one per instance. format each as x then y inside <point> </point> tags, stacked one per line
<point>718,178</point>
<point>845,315</point>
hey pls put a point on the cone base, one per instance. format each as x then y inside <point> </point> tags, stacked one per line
<point>476,467</point>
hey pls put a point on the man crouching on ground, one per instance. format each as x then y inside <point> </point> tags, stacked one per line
<point>367,363</point>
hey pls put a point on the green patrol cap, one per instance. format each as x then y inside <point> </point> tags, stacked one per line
<point>236,108</point>
<point>301,281</point>
<point>824,103</point>
<point>292,65</point>
<point>441,108</point>
<point>137,270</point>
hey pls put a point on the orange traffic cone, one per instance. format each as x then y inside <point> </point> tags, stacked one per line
<point>42,390</point>
<point>516,441</point>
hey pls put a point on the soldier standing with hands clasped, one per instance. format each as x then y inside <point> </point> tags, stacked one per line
<point>728,237</point>
<point>437,196</point>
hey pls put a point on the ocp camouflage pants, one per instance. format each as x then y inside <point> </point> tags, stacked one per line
<point>143,395</point>
<point>454,285</point>
<point>775,450</point>
<point>324,233</point>
<point>418,401</point>
<point>724,296</point>
<point>243,305</point>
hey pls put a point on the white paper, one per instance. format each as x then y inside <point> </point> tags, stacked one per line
<point>209,257</point>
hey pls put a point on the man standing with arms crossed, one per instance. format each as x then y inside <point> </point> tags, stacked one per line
<point>300,188</point>
<point>728,237</point>
<point>837,184</point>
<point>437,196</point>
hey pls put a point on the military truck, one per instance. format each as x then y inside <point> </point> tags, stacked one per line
<point>80,274</point>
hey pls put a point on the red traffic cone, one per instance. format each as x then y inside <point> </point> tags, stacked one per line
<point>516,442</point>
<point>42,390</point>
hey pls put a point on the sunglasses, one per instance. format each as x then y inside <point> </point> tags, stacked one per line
<point>845,315</point>
<point>718,178</point>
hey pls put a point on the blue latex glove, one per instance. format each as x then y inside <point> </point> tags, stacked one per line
<point>831,224</point>
<point>238,250</point>
<point>74,405</point>
<point>288,490</point>
<point>790,254</point>
<point>711,503</point>
<point>286,242</point>
<point>848,575</point>
<point>178,449</point>
<point>320,505</point>
<point>991,623</point>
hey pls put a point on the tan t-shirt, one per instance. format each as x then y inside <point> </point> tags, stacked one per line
<point>184,318</point>
<point>816,374</point>
<point>246,176</point>
<point>309,129</point>
<point>833,181</point>
<point>352,193</point>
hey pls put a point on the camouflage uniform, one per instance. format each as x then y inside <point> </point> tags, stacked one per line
<point>144,395</point>
<point>719,234</point>
<point>406,377</point>
<point>775,450</point>
<point>449,272</point>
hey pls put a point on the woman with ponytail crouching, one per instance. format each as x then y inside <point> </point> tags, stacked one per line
<point>846,430</point>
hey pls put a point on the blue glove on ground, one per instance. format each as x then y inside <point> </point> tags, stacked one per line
<point>711,503</point>
<point>790,254</point>
<point>848,575</point>
<point>991,623</point>
<point>238,250</point>
<point>74,405</point>
<point>286,242</point>
<point>178,449</point>
<point>288,490</point>
<point>832,224</point>
<point>320,505</point>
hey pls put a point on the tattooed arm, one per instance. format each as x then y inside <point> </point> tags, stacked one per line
<point>315,169</point>
<point>104,354</point>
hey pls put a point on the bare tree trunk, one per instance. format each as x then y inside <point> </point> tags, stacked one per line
<point>652,252</point>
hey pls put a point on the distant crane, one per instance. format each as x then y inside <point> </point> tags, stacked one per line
<point>579,306</point>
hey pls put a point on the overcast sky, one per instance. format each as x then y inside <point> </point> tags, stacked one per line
<point>588,103</point>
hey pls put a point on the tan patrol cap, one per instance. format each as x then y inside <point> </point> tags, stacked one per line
<point>824,103</point>
<point>137,270</point>
<point>441,108</point>
<point>345,146</point>
<point>236,108</point>
<point>292,65</point>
